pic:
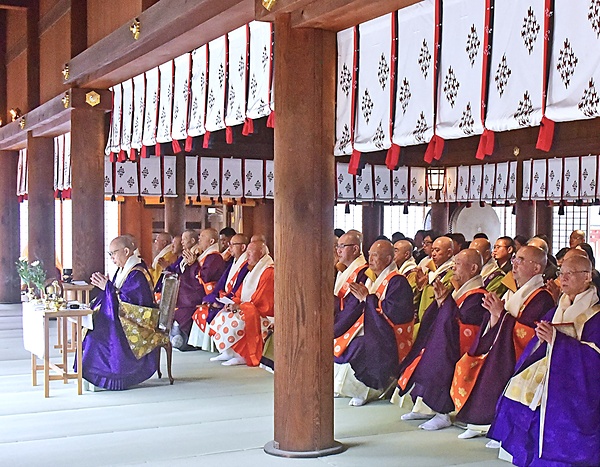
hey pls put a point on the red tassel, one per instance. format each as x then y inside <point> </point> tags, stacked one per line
<point>354,163</point>
<point>112,157</point>
<point>206,139</point>
<point>486,144</point>
<point>176,146</point>
<point>143,154</point>
<point>188,143</point>
<point>439,147</point>
<point>271,120</point>
<point>228,135</point>
<point>56,194</point>
<point>122,157</point>
<point>434,149</point>
<point>132,155</point>
<point>393,157</point>
<point>248,128</point>
<point>157,150</point>
<point>546,135</point>
<point>66,194</point>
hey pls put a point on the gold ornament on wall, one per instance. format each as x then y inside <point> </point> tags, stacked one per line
<point>268,4</point>
<point>516,151</point>
<point>22,123</point>
<point>65,71</point>
<point>92,98</point>
<point>15,114</point>
<point>66,100</point>
<point>135,29</point>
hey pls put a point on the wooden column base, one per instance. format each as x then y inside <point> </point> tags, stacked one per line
<point>270,448</point>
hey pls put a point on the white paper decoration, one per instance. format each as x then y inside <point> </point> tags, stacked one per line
<point>197,122</point>
<point>400,185</point>
<point>210,176</point>
<point>215,109</point>
<point>364,184</point>
<point>254,181</point>
<point>382,183</point>
<point>181,94</point>
<point>238,72</point>
<point>151,112</point>
<point>260,70</point>
<point>127,115</point>
<point>191,176</point>
<point>345,92</point>
<point>345,182</point>
<point>269,180</point>
<point>417,184</point>
<point>231,178</point>
<point>139,110</point>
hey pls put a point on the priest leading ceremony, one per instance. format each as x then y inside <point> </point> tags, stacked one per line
<point>300,232</point>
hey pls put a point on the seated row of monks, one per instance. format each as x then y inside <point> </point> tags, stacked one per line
<point>511,351</point>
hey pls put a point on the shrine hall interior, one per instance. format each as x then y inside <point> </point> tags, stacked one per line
<point>289,118</point>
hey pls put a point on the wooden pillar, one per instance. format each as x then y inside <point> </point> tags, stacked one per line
<point>40,165</point>
<point>260,219</point>
<point>33,55</point>
<point>3,81</point>
<point>305,62</point>
<point>543,221</point>
<point>175,207</point>
<point>372,223</point>
<point>440,215</point>
<point>136,220</point>
<point>9,229</point>
<point>87,170</point>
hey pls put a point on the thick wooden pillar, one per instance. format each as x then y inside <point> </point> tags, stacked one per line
<point>175,207</point>
<point>87,169</point>
<point>440,215</point>
<point>260,219</point>
<point>3,82</point>
<point>136,220</point>
<point>33,55</point>
<point>40,165</point>
<point>372,223</point>
<point>543,220</point>
<point>304,188</point>
<point>9,228</point>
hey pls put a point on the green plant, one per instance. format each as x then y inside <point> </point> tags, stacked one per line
<point>33,275</point>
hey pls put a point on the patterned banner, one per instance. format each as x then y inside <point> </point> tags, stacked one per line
<point>475,183</point>
<point>574,62</point>
<point>261,58</point>
<point>450,184</point>
<point>538,180</point>
<point>191,176</point>
<point>238,76</point>
<point>254,183</point>
<point>151,112</point>
<point>215,111</point>
<point>198,92</point>
<point>488,183</point>
<point>512,181</point>
<point>346,83</point>
<point>413,121</point>
<point>126,183</point>
<point>417,184</point>
<point>269,179</point>
<point>517,65</point>
<point>139,109</point>
<point>400,184</point>
<point>555,179</point>
<point>374,88</point>
<point>526,192</point>
<point>181,94</point>
<point>383,180</point>
<point>59,152</point>
<point>462,186</point>
<point>345,183</point>
<point>127,115</point>
<point>108,177</point>
<point>114,137</point>
<point>501,188</point>
<point>588,172</point>
<point>571,181</point>
<point>231,182</point>
<point>165,107</point>
<point>364,184</point>
<point>461,64</point>
<point>67,162</point>
<point>210,176</point>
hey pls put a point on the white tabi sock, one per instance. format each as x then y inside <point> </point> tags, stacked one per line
<point>441,420</point>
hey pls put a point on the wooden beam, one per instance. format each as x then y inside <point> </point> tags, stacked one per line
<point>336,15</point>
<point>280,7</point>
<point>14,4</point>
<point>51,118</point>
<point>33,55</point>
<point>167,30</point>
<point>3,74</point>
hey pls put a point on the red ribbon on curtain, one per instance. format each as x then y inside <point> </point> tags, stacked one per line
<point>546,134</point>
<point>487,139</point>
<point>392,158</point>
<point>436,145</point>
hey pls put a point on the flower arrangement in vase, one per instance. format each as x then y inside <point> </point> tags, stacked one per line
<point>34,277</point>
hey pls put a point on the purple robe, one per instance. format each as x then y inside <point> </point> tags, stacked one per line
<point>374,355</point>
<point>433,376</point>
<point>107,359</point>
<point>480,407</point>
<point>572,426</point>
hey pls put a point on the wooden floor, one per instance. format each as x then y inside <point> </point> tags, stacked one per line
<point>212,415</point>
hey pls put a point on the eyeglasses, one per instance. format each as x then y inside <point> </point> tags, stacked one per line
<point>234,244</point>
<point>569,274</point>
<point>112,253</point>
<point>520,260</point>
<point>427,242</point>
<point>344,245</point>
<point>497,247</point>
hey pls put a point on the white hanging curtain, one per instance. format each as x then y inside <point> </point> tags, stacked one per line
<point>22,174</point>
<point>383,180</point>
<point>517,65</point>
<point>169,177</point>
<point>450,184</point>
<point>114,137</point>
<point>571,179</point>
<point>589,182</point>
<point>538,180</point>
<point>461,64</point>
<point>501,188</point>
<point>126,183</point>
<point>59,152</point>
<point>574,62</point>
<point>237,76</point>
<point>555,179</point>
<point>139,109</point>
<point>210,176</point>
<point>191,176</point>
<point>345,183</point>
<point>181,94</point>
<point>374,87</point>
<point>512,182</point>
<point>198,92</point>
<point>345,94</point>
<point>417,184</point>
<point>151,111</point>
<point>150,181</point>
<point>108,177</point>
<point>67,163</point>
<point>475,184</point>
<point>413,122</point>
<point>526,193</point>
<point>364,184</point>
<point>463,182</point>
<point>127,115</point>
<point>260,68</point>
<point>400,184</point>
<point>231,178</point>
<point>215,111</point>
<point>165,103</point>
<point>269,179</point>
<point>488,183</point>
<point>254,182</point>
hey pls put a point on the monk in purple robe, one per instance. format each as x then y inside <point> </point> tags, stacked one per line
<point>107,360</point>
<point>549,414</point>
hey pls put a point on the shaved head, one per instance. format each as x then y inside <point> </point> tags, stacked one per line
<point>575,252</point>
<point>484,247</point>
<point>402,251</point>
<point>381,255</point>
<point>442,250</point>
<point>467,264</point>
<point>539,243</point>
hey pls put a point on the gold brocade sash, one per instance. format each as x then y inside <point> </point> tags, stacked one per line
<point>526,385</point>
<point>139,324</point>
